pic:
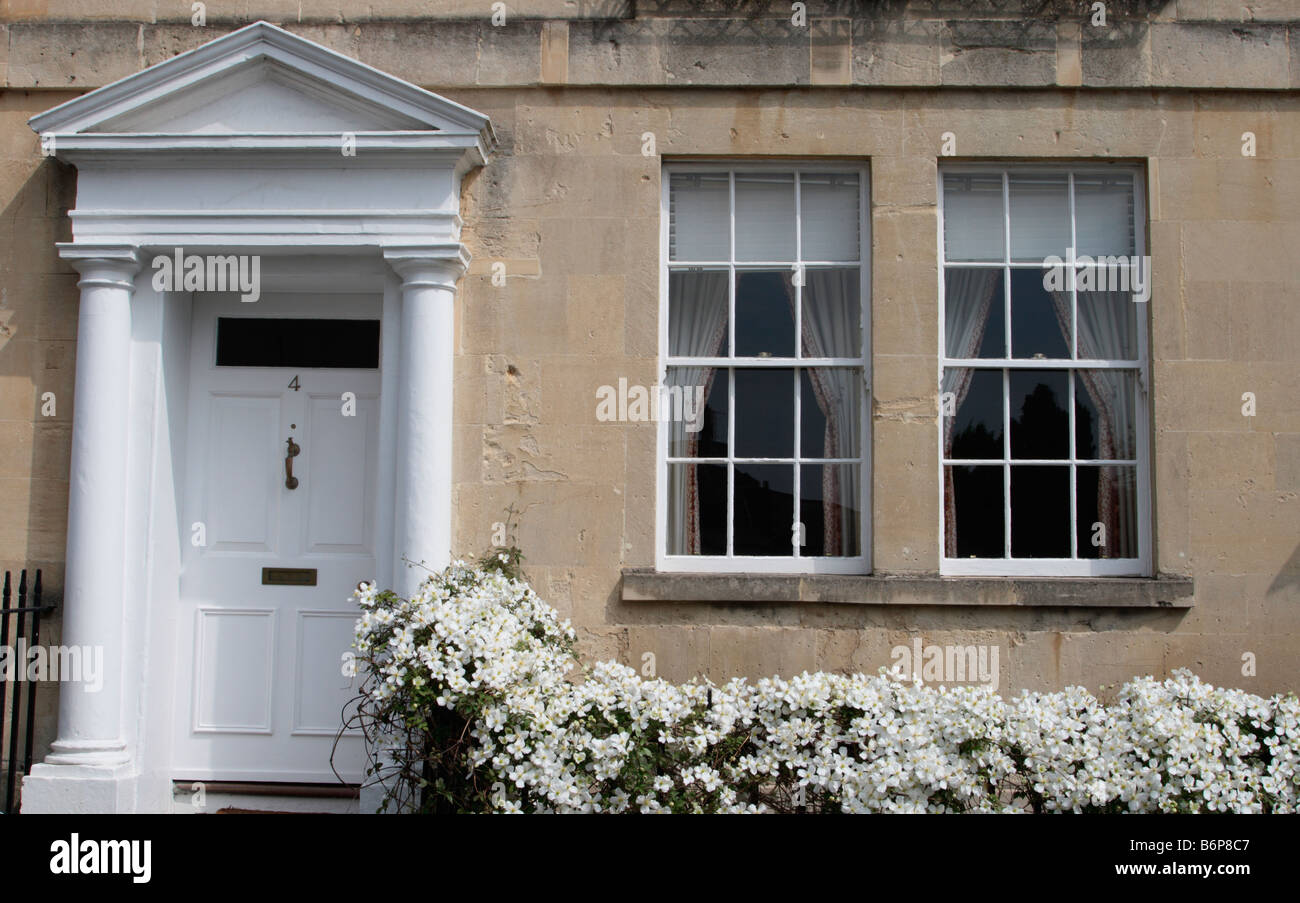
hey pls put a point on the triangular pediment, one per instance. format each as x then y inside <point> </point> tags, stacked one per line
<point>259,80</point>
<point>260,96</point>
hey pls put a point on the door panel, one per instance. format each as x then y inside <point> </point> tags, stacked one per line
<point>341,454</point>
<point>262,690</point>
<point>233,688</point>
<point>242,506</point>
<point>319,682</point>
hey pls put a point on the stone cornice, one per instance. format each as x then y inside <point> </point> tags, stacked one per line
<point>1154,51</point>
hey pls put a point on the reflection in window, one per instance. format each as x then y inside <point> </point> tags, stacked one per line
<point>1041,388</point>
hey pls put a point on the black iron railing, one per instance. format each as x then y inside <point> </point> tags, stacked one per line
<point>18,696</point>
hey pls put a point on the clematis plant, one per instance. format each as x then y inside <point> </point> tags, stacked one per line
<point>474,700</point>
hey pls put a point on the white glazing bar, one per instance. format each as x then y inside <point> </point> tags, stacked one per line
<point>1072,451</point>
<point>1074,288</point>
<point>1006,262</point>
<point>731,451</point>
<point>795,528</point>
<point>1006,464</point>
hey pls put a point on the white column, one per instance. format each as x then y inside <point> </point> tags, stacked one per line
<point>422,508</point>
<point>91,741</point>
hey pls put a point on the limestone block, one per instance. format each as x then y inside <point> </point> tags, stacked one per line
<point>1208,309</point>
<point>760,652</point>
<point>1093,659</point>
<point>73,55</point>
<point>1169,295</point>
<point>519,453</point>
<point>1193,56</point>
<point>1238,462</point>
<point>998,52</point>
<point>905,496</point>
<point>905,281</point>
<point>675,654</point>
<point>898,181</point>
<point>1263,323</point>
<point>1116,54</point>
<point>639,485</point>
<point>831,51</point>
<point>1234,533</point>
<point>1262,251</point>
<point>1286,476</point>
<point>894,51</point>
<point>1172,525</point>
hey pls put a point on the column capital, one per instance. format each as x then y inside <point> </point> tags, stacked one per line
<point>102,264</point>
<point>432,265</point>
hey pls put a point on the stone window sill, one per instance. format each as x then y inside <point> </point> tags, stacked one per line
<point>649,585</point>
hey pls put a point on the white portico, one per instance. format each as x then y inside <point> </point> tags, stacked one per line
<point>344,184</point>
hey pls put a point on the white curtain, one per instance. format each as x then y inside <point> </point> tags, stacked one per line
<point>968,301</point>
<point>697,327</point>
<point>829,330</point>
<point>1104,326</point>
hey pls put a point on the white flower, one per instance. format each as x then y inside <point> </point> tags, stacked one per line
<point>486,647</point>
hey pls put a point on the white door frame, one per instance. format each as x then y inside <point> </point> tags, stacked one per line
<point>387,216</point>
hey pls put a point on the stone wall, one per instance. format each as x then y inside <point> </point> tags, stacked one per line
<point>570,207</point>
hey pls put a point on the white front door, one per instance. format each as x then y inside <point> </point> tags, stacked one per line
<point>280,511</point>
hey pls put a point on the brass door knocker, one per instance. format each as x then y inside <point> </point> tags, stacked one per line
<point>290,481</point>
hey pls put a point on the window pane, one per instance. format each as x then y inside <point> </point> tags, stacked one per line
<point>697,313</point>
<point>699,224</point>
<point>973,218</point>
<point>697,509</point>
<point>297,342</point>
<point>1105,414</point>
<point>1107,512</point>
<point>765,227</point>
<point>1040,320</point>
<point>973,512</point>
<point>830,216</point>
<point>1103,215</point>
<point>828,504</point>
<point>692,433</point>
<point>1040,215</point>
<point>1040,420</point>
<point>1107,326</point>
<point>764,509</point>
<point>830,409</point>
<point>976,430</point>
<point>765,314</point>
<point>974,307</point>
<point>1040,512</point>
<point>832,313</point>
<point>765,414</point>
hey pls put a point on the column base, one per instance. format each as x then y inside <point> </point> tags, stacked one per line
<point>79,789</point>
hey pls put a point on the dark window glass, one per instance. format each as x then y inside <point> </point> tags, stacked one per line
<point>1107,512</point>
<point>294,342</point>
<point>976,431</point>
<point>765,414</point>
<point>977,503</point>
<point>1036,319</point>
<point>709,483</point>
<point>1040,512</point>
<point>764,315</point>
<point>1040,419</point>
<point>764,509</point>
<point>828,509</point>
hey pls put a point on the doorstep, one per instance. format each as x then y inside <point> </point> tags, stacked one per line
<point>232,797</point>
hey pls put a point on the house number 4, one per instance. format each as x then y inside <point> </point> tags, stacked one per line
<point>293,384</point>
